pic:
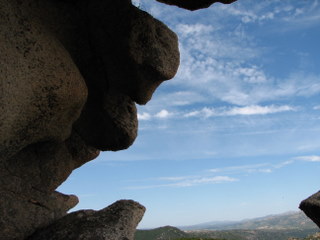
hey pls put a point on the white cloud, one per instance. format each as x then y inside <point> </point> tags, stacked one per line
<point>283,164</point>
<point>193,29</point>
<point>242,168</point>
<point>313,158</point>
<point>160,115</point>
<point>174,178</point>
<point>279,12</point>
<point>223,64</point>
<point>163,114</point>
<point>233,111</point>
<point>144,116</point>
<point>204,112</point>
<point>316,107</point>
<point>258,110</point>
<point>216,179</point>
<point>251,74</point>
<point>188,181</point>
<point>253,168</point>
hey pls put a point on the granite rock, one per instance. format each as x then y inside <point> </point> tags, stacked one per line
<point>116,222</point>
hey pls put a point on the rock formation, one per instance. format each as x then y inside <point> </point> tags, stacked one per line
<point>117,221</point>
<point>71,72</point>
<point>311,207</point>
<point>194,4</point>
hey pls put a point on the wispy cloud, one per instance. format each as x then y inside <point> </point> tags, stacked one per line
<point>225,62</point>
<point>248,110</point>
<point>207,112</point>
<point>253,168</point>
<point>187,181</point>
<point>193,29</point>
<point>163,114</point>
<point>312,158</point>
<point>144,116</point>
<point>261,167</point>
<point>255,109</point>
<point>279,12</point>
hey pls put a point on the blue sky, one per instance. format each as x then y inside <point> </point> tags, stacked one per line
<point>236,134</point>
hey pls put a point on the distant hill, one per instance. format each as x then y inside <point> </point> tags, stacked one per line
<point>274,227</point>
<point>242,234</point>
<point>162,233</point>
<point>290,220</point>
<point>172,233</point>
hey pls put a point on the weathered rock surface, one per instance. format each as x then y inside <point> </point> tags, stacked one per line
<point>129,60</point>
<point>311,207</point>
<point>41,90</point>
<point>116,222</point>
<point>70,74</point>
<point>27,184</point>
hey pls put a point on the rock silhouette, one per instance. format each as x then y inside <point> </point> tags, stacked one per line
<point>71,72</point>
<point>311,207</point>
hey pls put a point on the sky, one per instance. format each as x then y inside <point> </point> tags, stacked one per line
<point>236,134</point>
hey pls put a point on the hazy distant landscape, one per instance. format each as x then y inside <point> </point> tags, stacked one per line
<point>273,227</point>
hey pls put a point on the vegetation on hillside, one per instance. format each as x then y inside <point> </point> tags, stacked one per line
<point>199,239</point>
<point>241,234</point>
<point>293,226</point>
<point>315,236</point>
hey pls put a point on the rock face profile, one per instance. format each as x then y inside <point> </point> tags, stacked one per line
<point>71,73</point>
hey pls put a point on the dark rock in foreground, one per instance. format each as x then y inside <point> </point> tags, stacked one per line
<point>311,207</point>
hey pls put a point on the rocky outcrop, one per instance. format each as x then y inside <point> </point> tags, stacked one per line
<point>117,221</point>
<point>194,4</point>
<point>311,207</point>
<point>70,75</point>
<point>71,72</point>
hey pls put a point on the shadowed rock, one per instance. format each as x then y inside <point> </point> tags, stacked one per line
<point>311,207</point>
<point>116,222</point>
<point>194,4</point>
<point>70,74</point>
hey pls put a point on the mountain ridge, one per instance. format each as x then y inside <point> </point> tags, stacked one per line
<point>287,220</point>
<point>284,226</point>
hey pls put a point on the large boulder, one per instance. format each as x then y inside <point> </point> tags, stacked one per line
<point>311,207</point>
<point>116,222</point>
<point>70,74</point>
